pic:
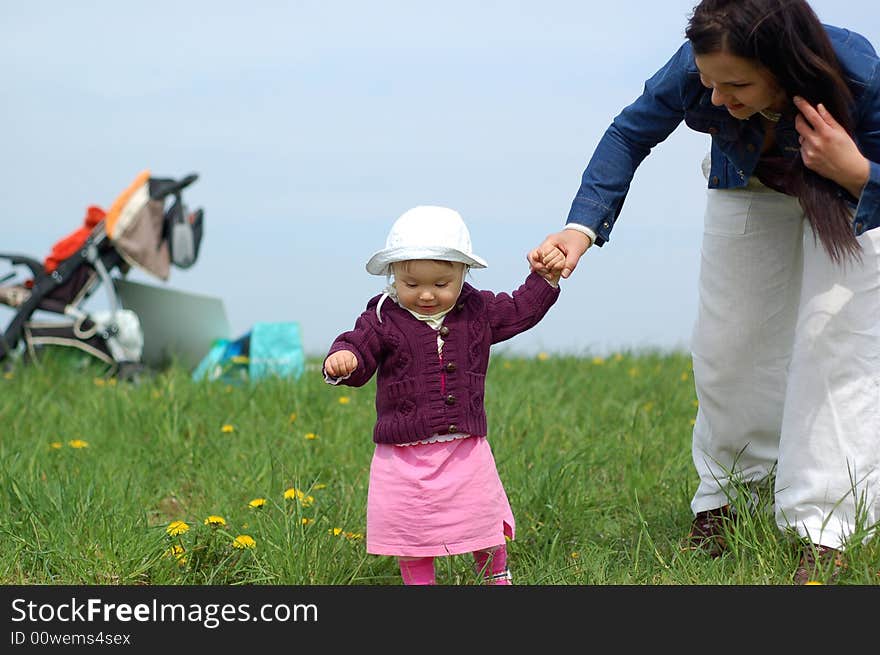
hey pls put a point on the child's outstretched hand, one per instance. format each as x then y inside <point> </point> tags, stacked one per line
<point>340,364</point>
<point>554,262</point>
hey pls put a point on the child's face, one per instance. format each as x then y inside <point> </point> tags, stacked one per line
<point>428,286</point>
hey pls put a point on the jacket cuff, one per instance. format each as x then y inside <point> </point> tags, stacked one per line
<point>867,216</point>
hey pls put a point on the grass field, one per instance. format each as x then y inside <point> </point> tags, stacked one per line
<point>269,480</point>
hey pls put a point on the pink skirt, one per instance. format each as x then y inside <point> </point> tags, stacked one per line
<point>436,499</point>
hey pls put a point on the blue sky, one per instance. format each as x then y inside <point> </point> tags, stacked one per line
<point>313,125</point>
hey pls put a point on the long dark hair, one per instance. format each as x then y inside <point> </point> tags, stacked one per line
<point>787,38</point>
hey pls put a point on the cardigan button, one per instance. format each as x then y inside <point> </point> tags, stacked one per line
<point>452,429</point>
<point>444,331</point>
<point>450,367</point>
<point>449,400</point>
<point>460,306</point>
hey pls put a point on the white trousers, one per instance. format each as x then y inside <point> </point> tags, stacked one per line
<point>786,357</point>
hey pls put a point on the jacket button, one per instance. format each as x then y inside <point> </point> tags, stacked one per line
<point>444,331</point>
<point>714,180</point>
<point>713,130</point>
<point>450,366</point>
<point>452,429</point>
<point>450,399</point>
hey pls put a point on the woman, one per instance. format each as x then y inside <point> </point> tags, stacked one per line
<point>786,346</point>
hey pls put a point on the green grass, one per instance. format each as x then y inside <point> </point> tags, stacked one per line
<point>594,455</point>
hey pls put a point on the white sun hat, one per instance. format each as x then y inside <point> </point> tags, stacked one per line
<point>426,232</point>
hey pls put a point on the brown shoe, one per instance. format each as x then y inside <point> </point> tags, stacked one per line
<point>818,564</point>
<point>708,529</point>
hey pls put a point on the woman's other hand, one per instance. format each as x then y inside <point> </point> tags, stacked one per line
<point>827,149</point>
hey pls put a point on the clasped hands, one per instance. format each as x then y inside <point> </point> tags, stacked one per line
<point>558,254</point>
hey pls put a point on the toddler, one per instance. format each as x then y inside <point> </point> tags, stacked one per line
<point>434,489</point>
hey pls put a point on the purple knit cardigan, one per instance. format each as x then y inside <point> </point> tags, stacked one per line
<point>413,402</point>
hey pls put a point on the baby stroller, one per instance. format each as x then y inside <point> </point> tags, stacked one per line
<point>137,231</point>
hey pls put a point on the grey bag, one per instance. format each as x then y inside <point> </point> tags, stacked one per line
<point>185,229</point>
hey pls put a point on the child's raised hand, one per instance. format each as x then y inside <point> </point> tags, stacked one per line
<point>340,364</point>
<point>554,261</point>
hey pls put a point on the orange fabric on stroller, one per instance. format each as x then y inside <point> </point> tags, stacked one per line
<point>71,243</point>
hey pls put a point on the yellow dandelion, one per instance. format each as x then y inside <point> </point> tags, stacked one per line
<point>693,421</point>
<point>155,394</point>
<point>296,494</point>
<point>598,361</point>
<point>176,528</point>
<point>215,521</point>
<point>618,357</point>
<point>354,536</point>
<point>306,521</point>
<point>78,443</point>
<point>575,555</point>
<point>112,382</point>
<point>175,551</point>
<point>227,428</point>
<point>685,376</point>
<point>633,372</point>
<point>695,403</point>
<point>257,503</point>
<point>344,400</point>
<point>319,486</point>
<point>292,417</point>
<point>244,541</point>
<point>647,407</point>
<point>813,582</point>
<point>99,382</point>
<point>57,445</point>
<point>335,531</point>
<point>178,553</point>
<point>8,375</point>
<point>543,357</point>
<point>508,365</point>
<point>311,436</point>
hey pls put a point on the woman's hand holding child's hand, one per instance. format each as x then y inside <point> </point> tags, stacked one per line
<point>340,364</point>
<point>554,261</point>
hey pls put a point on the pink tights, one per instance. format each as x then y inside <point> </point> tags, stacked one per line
<point>491,563</point>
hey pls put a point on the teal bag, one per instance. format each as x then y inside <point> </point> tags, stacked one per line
<point>268,350</point>
<point>276,350</point>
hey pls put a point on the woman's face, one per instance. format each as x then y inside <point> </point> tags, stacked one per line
<point>743,86</point>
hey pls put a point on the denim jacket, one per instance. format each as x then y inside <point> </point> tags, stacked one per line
<point>675,93</point>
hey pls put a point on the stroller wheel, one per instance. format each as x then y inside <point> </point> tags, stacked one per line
<point>134,372</point>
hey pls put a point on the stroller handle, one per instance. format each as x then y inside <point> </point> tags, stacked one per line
<point>163,187</point>
<point>35,266</point>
